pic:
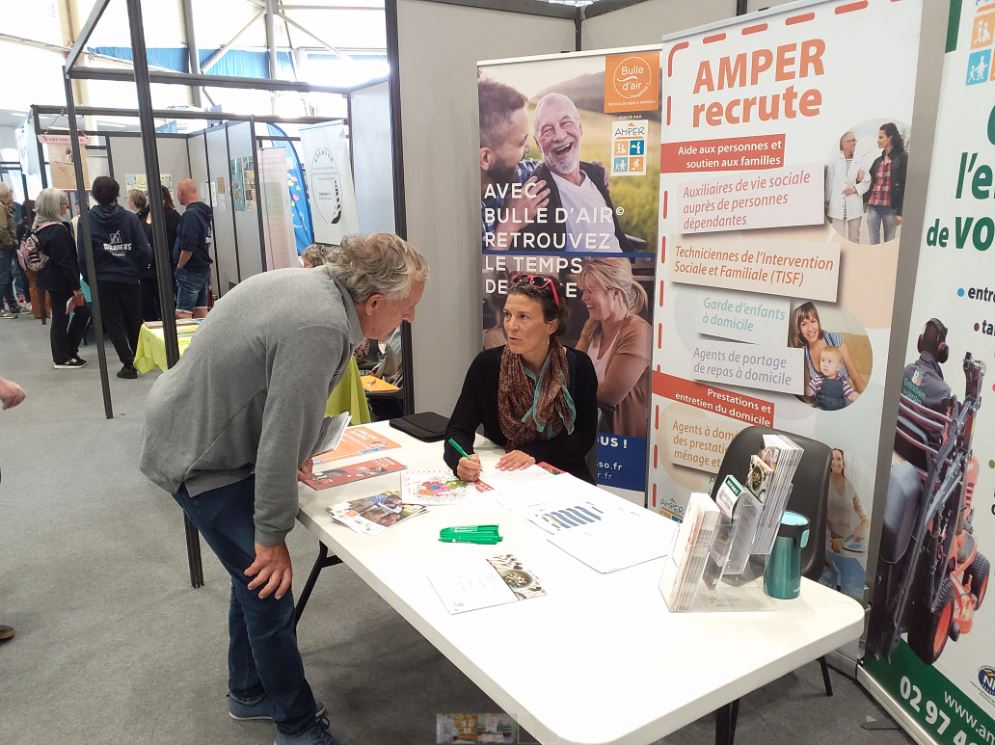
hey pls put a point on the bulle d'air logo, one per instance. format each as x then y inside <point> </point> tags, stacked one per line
<point>986,677</point>
<point>632,77</point>
<point>632,82</point>
<point>326,185</point>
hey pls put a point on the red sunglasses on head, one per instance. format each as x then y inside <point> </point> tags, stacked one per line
<point>537,280</point>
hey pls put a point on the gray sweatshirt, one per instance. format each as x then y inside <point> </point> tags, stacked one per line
<point>249,394</point>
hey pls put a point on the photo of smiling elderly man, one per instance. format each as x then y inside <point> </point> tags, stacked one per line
<point>580,216</point>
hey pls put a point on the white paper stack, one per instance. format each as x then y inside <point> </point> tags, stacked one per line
<point>683,569</point>
<point>783,457</point>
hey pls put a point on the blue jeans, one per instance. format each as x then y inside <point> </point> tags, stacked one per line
<point>878,217</point>
<point>263,658</point>
<point>7,278</point>
<point>191,288</point>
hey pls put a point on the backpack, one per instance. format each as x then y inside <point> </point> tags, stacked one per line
<point>29,255</point>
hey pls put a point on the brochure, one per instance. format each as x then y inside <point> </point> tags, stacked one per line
<point>482,584</point>
<point>337,476</point>
<point>330,434</point>
<point>434,486</point>
<point>355,441</point>
<point>373,515</point>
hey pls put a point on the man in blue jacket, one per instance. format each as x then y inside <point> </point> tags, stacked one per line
<point>192,251</point>
<point>121,254</point>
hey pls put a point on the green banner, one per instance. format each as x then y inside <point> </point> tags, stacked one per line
<point>940,707</point>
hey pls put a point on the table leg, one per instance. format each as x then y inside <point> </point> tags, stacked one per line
<point>193,553</point>
<point>825,675</point>
<point>323,560</point>
<point>725,723</point>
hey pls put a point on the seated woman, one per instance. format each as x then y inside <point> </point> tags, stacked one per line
<point>533,396</point>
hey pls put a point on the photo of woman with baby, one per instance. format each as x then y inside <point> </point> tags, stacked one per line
<point>834,377</point>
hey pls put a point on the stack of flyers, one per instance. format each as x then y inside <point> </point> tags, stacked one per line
<point>323,478</point>
<point>355,441</point>
<point>373,515</point>
<point>434,486</point>
<point>683,569</point>
<point>782,456</point>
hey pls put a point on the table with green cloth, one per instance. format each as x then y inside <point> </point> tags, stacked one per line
<point>348,395</point>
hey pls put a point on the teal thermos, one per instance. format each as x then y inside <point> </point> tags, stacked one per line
<point>783,575</point>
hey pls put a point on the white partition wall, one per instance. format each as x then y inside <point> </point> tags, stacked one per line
<point>225,244</point>
<point>245,198</point>
<point>438,48</point>
<point>373,164</point>
<point>646,22</point>
<point>126,159</point>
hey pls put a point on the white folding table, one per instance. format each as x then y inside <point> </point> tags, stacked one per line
<point>568,667</point>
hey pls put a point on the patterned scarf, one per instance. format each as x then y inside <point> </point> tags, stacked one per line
<point>534,407</point>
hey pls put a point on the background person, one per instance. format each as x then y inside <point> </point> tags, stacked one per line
<point>806,333</point>
<point>846,183</point>
<point>40,304</point>
<point>8,248</point>
<point>193,255</point>
<point>11,394</point>
<point>60,278</point>
<point>120,255</point>
<point>151,304</point>
<point>887,189</point>
<point>228,427</point>
<point>534,397</point>
<point>619,342</point>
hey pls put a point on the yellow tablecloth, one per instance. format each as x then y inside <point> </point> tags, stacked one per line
<point>348,395</point>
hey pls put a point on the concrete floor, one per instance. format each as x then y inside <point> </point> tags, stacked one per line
<point>113,645</point>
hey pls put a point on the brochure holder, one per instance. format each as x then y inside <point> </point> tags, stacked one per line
<point>732,578</point>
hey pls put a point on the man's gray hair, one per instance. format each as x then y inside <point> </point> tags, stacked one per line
<point>377,263</point>
<point>4,190</point>
<point>548,99</point>
<point>48,205</point>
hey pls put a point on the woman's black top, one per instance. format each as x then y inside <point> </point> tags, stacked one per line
<point>478,405</point>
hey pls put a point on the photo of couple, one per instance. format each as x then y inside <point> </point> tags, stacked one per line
<point>867,178</point>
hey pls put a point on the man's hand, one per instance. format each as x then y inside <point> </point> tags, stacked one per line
<point>848,191</point>
<point>898,219</point>
<point>608,177</point>
<point>306,471</point>
<point>515,460</point>
<point>271,570</point>
<point>468,469</point>
<point>11,394</point>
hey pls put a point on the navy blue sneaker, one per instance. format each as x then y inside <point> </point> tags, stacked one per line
<point>317,735</point>
<point>261,709</point>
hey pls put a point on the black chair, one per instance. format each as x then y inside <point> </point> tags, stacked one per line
<point>809,497</point>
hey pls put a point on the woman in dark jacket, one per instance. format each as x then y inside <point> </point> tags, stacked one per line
<point>151,307</point>
<point>60,277</point>
<point>534,397</point>
<point>887,192</point>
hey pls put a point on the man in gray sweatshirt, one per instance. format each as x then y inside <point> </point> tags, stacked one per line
<point>227,428</point>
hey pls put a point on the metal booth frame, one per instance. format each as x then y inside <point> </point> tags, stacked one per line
<point>143,77</point>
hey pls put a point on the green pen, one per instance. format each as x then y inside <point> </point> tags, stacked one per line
<point>458,449</point>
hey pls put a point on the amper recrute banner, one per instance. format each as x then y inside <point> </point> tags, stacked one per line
<point>784,147</point>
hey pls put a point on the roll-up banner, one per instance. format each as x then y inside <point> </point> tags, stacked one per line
<point>328,172</point>
<point>931,635</point>
<point>782,177</point>
<point>569,180</point>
